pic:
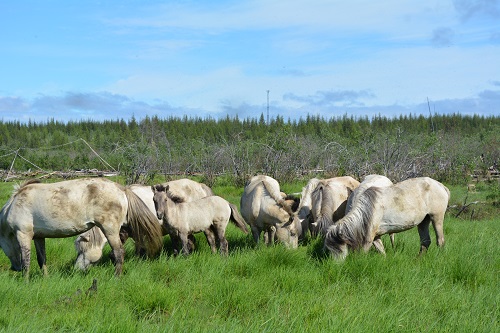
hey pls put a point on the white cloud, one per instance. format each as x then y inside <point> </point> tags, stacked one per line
<point>317,56</point>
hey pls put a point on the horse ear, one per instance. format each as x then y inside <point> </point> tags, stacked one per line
<point>84,238</point>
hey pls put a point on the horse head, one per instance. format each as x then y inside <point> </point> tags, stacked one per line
<point>160,199</point>
<point>289,232</point>
<point>335,242</point>
<point>10,245</point>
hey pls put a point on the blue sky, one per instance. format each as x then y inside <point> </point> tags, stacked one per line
<point>98,60</point>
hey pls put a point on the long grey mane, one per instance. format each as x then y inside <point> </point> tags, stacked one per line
<point>353,229</point>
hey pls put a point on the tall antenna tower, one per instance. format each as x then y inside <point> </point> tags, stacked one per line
<point>268,107</point>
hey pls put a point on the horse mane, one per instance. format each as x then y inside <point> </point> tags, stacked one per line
<point>18,187</point>
<point>295,202</point>
<point>89,239</point>
<point>175,198</point>
<point>353,229</point>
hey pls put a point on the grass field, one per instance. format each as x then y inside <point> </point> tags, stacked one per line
<point>266,289</point>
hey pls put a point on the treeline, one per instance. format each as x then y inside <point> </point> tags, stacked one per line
<point>447,147</point>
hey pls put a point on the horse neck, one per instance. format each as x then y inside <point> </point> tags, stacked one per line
<point>5,209</point>
<point>357,223</point>
<point>170,207</point>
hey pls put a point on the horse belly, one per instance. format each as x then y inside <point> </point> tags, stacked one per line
<point>198,224</point>
<point>188,219</point>
<point>50,228</point>
<point>397,221</point>
<point>52,223</point>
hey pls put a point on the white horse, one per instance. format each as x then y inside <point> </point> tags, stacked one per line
<point>381,210</point>
<point>89,245</point>
<point>63,209</point>
<point>264,209</point>
<point>323,202</point>
<point>210,215</point>
<point>369,181</point>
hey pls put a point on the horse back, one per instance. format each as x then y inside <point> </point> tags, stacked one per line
<point>66,208</point>
<point>416,196</point>
<point>188,190</point>
<point>262,202</point>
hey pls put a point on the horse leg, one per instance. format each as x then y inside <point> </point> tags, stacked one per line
<point>255,233</point>
<point>174,239</point>
<point>118,252</point>
<point>220,232</point>
<point>40,254</point>
<point>423,231</point>
<point>379,246</point>
<point>266,237</point>
<point>192,243</point>
<point>211,239</point>
<point>25,247</point>
<point>391,236</point>
<point>125,235</point>
<point>185,243</point>
<point>269,235</point>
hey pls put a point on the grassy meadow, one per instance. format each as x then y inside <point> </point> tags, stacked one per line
<point>267,289</point>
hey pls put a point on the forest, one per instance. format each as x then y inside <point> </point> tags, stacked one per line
<point>449,148</point>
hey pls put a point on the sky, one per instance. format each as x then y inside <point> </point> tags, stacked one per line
<point>109,60</point>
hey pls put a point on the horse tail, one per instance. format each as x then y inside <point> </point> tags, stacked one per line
<point>208,191</point>
<point>276,195</point>
<point>143,224</point>
<point>324,221</point>
<point>237,219</point>
<point>447,190</point>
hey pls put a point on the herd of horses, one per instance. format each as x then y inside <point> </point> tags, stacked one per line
<point>347,215</point>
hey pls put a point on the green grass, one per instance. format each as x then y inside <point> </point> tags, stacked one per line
<point>266,289</point>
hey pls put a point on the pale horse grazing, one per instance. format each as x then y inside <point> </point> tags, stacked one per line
<point>63,209</point>
<point>89,245</point>
<point>210,215</point>
<point>264,209</point>
<point>381,210</point>
<point>323,202</point>
<point>369,181</point>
